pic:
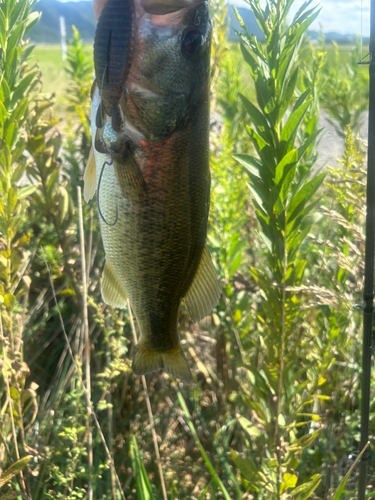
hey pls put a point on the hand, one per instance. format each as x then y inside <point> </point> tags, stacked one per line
<point>97,7</point>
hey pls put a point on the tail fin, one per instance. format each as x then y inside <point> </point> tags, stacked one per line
<point>173,362</point>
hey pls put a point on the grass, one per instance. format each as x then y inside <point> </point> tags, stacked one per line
<point>54,78</point>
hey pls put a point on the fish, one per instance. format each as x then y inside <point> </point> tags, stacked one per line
<point>149,167</point>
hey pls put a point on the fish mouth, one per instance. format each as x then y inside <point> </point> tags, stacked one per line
<point>163,7</point>
<point>168,13</point>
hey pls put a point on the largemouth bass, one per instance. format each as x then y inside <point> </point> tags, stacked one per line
<point>149,166</point>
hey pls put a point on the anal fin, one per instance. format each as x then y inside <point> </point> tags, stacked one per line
<point>204,292</point>
<point>112,292</point>
<point>89,177</point>
<point>173,362</point>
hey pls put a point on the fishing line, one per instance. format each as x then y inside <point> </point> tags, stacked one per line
<point>109,163</point>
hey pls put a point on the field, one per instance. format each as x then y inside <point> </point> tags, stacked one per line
<point>54,77</point>
<point>274,411</point>
<point>55,81</point>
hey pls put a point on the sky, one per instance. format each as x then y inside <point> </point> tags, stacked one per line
<point>342,16</point>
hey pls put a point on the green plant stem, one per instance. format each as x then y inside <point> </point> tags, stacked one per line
<point>208,463</point>
<point>87,340</point>
<point>149,410</point>
<point>23,486</point>
<point>281,364</point>
<point>89,403</point>
<point>336,495</point>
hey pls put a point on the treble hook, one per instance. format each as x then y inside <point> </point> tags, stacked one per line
<point>109,163</point>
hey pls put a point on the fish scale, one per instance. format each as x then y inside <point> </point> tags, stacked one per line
<point>159,183</point>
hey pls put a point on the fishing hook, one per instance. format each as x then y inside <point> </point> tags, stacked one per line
<point>109,163</point>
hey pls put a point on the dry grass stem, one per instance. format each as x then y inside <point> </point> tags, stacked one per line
<point>86,338</point>
<point>149,410</point>
<point>89,403</point>
<point>22,480</point>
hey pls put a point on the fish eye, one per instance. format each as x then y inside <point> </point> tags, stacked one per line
<point>192,42</point>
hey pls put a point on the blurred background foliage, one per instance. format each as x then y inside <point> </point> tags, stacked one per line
<point>274,410</point>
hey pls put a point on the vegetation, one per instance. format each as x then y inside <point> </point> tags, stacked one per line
<point>274,410</point>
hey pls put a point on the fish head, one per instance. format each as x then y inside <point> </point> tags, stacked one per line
<point>163,70</point>
<point>169,73</point>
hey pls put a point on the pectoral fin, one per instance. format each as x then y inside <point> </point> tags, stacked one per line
<point>204,292</point>
<point>130,178</point>
<point>89,177</point>
<point>112,292</point>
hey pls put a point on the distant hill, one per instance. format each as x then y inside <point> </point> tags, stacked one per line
<point>80,14</point>
<point>249,20</point>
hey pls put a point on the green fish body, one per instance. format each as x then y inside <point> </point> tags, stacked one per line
<point>151,160</point>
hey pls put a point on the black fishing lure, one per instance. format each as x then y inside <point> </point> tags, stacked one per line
<point>112,51</point>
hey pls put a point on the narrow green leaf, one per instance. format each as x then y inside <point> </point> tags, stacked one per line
<point>287,183</point>
<point>17,14</point>
<point>340,489</point>
<point>258,120</point>
<point>26,52</point>
<point>2,211</point>
<point>26,191</point>
<point>17,152</point>
<point>15,37</point>
<point>9,6</point>
<point>289,160</point>
<point>263,150</point>
<point>207,461</point>
<point>303,442</point>
<point>10,495</point>
<point>293,122</point>
<point>300,11</point>
<point>3,31</point>
<point>304,26</point>
<point>257,197</point>
<point>248,427</point>
<point>202,496</point>
<point>300,199</point>
<point>3,113</point>
<point>32,20</point>
<point>22,87</point>
<point>12,200</point>
<point>248,470</point>
<point>302,98</point>
<point>287,95</point>
<point>9,131</point>
<point>19,110</point>
<point>63,204</point>
<point>13,470</point>
<point>52,182</point>
<point>308,142</point>
<point>11,65</point>
<point>304,491</point>
<point>5,92</point>
<point>250,163</point>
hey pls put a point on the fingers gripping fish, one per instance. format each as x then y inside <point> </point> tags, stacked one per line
<point>150,128</point>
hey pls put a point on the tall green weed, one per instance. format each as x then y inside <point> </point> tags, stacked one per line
<point>274,410</point>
